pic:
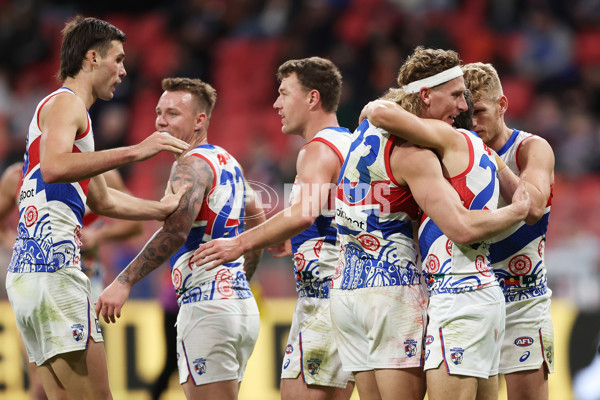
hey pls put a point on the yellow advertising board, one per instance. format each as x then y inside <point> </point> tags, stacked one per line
<point>135,351</point>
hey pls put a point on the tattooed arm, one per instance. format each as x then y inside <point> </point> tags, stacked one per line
<point>197,175</point>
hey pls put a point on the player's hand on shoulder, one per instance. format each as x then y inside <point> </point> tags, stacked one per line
<point>160,141</point>
<point>368,109</point>
<point>171,200</point>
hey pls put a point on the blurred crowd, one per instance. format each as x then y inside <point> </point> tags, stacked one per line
<point>547,53</point>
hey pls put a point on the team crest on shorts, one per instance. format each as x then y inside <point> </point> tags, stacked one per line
<point>410,347</point>
<point>456,355</point>
<point>314,364</point>
<point>289,349</point>
<point>200,365</point>
<point>77,332</point>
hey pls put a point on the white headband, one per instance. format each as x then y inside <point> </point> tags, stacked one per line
<point>431,81</point>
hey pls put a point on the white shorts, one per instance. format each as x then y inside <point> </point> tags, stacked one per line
<point>215,339</point>
<point>311,348</point>
<point>53,312</point>
<point>379,327</point>
<point>465,331</point>
<point>529,337</point>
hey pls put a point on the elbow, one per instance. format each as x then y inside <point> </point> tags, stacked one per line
<point>462,234</point>
<point>534,215</point>
<point>305,222</point>
<point>50,175</point>
<point>179,238</point>
<point>98,208</point>
<point>463,237</point>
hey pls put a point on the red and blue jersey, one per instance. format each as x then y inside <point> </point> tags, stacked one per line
<point>517,254</point>
<point>375,217</point>
<point>453,267</point>
<point>50,215</point>
<point>316,250</point>
<point>221,216</point>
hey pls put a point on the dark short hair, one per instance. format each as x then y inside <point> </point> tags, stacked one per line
<point>203,93</point>
<point>316,73</point>
<point>80,35</point>
<point>464,120</point>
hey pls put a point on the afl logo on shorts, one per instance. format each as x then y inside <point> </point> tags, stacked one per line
<point>177,278</point>
<point>432,263</point>
<point>449,247</point>
<point>31,216</point>
<point>523,341</point>
<point>369,242</point>
<point>428,339</point>
<point>289,349</point>
<point>541,248</point>
<point>482,267</point>
<point>520,265</point>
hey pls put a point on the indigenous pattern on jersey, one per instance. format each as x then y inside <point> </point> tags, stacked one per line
<point>50,215</point>
<point>221,216</point>
<point>316,250</point>
<point>375,217</point>
<point>517,254</point>
<point>452,267</point>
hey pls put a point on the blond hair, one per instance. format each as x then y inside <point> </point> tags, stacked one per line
<point>483,81</point>
<point>421,64</point>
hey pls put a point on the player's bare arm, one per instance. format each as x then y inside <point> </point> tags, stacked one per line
<point>317,167</point>
<point>431,133</point>
<point>115,229</point>
<point>113,203</point>
<point>195,176</point>
<point>9,182</point>
<point>61,119</point>
<point>421,170</point>
<point>536,160</point>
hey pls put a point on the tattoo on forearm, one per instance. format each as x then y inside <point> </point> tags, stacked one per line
<point>198,176</point>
